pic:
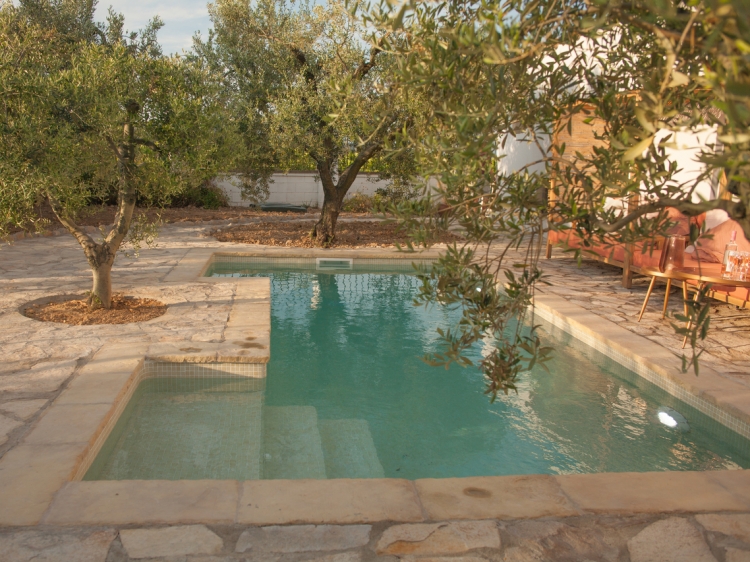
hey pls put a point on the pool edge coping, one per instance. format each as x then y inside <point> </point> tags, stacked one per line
<point>722,399</point>
<point>46,466</point>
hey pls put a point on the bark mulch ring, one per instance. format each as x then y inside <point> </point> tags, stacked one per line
<point>296,234</point>
<point>124,311</point>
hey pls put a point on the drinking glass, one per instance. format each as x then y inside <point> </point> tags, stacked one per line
<point>743,265</point>
<point>733,260</point>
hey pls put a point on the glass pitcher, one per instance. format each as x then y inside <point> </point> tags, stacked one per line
<point>673,256</point>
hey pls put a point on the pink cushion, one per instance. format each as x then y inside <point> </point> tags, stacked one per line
<point>712,249</point>
<point>681,223</point>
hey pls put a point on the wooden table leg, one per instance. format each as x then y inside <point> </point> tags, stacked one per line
<point>666,297</point>
<point>648,296</point>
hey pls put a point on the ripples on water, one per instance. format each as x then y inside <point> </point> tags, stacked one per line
<point>351,346</point>
<point>347,395</point>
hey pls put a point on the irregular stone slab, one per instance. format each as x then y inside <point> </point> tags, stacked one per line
<point>737,555</point>
<point>46,546</point>
<point>102,379</point>
<point>30,476</point>
<point>44,377</point>
<point>351,556</point>
<point>734,525</point>
<point>303,538</point>
<point>6,426</point>
<point>519,554</point>
<point>201,558</point>
<point>69,423</point>
<point>170,541</point>
<point>439,538</point>
<point>23,409</point>
<point>444,559</point>
<point>601,539</point>
<point>670,540</point>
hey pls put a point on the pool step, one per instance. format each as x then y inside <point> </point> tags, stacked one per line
<point>349,449</point>
<point>291,443</point>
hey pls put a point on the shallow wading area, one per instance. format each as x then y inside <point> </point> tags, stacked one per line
<point>59,384</point>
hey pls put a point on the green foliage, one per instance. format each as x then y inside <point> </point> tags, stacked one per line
<point>394,193</point>
<point>524,69</point>
<point>89,109</point>
<point>63,125</point>
<point>307,92</point>
<point>300,161</point>
<point>358,203</point>
<point>206,196</point>
<point>383,199</point>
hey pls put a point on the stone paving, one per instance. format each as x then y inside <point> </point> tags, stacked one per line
<point>39,360</point>
<point>597,287</point>
<point>699,538</point>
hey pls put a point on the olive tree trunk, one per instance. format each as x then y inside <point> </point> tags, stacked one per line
<point>325,229</point>
<point>334,192</point>
<point>101,255</point>
<point>101,290</point>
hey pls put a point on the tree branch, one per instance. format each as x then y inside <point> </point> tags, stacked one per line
<point>365,67</point>
<point>115,149</point>
<point>346,179</point>
<point>655,29</point>
<point>300,56</point>
<point>302,62</point>
<point>148,143</point>
<point>84,239</point>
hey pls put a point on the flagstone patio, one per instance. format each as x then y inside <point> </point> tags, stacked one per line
<point>687,516</point>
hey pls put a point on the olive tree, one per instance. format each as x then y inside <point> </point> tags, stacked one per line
<point>107,112</point>
<point>308,84</point>
<point>525,68</point>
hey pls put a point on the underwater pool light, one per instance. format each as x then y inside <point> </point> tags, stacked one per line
<point>667,420</point>
<point>672,418</point>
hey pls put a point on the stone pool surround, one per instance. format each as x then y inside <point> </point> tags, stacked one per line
<point>38,477</point>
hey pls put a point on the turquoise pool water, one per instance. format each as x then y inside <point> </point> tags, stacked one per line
<point>348,396</point>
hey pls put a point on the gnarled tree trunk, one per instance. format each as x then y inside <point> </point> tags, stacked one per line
<point>101,256</point>
<point>325,229</point>
<point>101,292</point>
<point>100,260</point>
<point>324,232</point>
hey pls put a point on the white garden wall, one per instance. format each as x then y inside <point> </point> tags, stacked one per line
<point>299,188</point>
<point>518,153</point>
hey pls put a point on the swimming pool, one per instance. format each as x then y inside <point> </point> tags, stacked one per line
<point>348,396</point>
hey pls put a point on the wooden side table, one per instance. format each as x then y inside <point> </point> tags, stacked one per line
<point>701,277</point>
<point>669,275</point>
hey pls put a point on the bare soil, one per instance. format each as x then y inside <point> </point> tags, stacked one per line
<point>296,234</point>
<point>105,215</point>
<point>75,312</point>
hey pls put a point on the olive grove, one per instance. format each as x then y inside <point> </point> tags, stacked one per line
<point>304,81</point>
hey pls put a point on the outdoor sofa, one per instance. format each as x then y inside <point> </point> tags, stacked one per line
<point>707,255</point>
